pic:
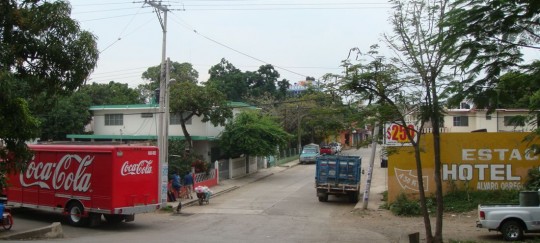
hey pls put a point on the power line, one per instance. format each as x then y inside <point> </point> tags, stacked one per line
<point>104,10</point>
<point>101,4</point>
<point>237,51</point>
<point>113,17</point>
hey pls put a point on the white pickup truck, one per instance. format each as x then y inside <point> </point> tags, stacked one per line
<point>511,220</point>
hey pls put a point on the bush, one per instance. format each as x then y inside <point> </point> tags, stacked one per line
<point>533,179</point>
<point>456,201</point>
<point>403,206</point>
<point>465,201</point>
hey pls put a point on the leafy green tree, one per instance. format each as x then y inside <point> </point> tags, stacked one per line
<point>263,81</point>
<point>69,115</point>
<point>188,99</point>
<point>239,86</point>
<point>112,94</point>
<point>517,89</point>
<point>410,83</point>
<point>229,79</point>
<point>426,51</point>
<point>42,51</point>
<point>492,36</point>
<point>282,87</point>
<point>252,133</point>
<point>181,72</point>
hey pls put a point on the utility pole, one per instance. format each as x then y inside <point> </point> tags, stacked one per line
<point>370,168</point>
<point>162,138</point>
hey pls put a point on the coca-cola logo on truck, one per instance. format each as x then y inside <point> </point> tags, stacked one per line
<point>58,175</point>
<point>143,167</point>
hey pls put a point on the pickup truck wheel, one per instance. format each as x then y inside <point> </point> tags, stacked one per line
<point>75,214</point>
<point>323,198</point>
<point>512,230</point>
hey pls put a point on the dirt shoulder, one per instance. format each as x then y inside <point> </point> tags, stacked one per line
<point>457,227</point>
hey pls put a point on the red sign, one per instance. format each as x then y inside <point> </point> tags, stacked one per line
<point>396,134</point>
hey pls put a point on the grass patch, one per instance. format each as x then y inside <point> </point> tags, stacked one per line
<point>167,209</point>
<point>456,201</point>
<point>465,201</point>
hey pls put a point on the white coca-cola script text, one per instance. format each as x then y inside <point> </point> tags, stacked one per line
<point>143,167</point>
<point>59,175</point>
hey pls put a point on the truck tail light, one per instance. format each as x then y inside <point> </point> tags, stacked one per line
<point>482,215</point>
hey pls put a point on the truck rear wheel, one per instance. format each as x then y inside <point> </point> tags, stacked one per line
<point>75,214</point>
<point>323,198</point>
<point>353,197</point>
<point>512,230</point>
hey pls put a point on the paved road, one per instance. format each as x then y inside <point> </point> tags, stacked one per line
<point>282,207</point>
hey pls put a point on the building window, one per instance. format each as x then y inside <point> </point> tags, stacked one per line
<point>147,115</point>
<point>510,121</point>
<point>175,119</point>
<point>464,106</point>
<point>114,119</point>
<point>488,117</point>
<point>461,121</point>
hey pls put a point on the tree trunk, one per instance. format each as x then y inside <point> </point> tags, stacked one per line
<point>186,135</point>
<point>423,208</point>
<point>437,160</point>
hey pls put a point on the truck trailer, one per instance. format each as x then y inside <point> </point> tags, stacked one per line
<point>338,175</point>
<point>84,182</point>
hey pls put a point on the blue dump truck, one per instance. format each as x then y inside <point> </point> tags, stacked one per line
<point>338,175</point>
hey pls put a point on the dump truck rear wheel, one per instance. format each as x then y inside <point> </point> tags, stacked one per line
<point>323,198</point>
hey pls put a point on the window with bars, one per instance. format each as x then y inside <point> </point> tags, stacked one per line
<point>114,119</point>
<point>509,121</point>
<point>461,121</point>
<point>175,119</point>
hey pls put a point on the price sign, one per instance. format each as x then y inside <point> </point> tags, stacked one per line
<point>396,134</point>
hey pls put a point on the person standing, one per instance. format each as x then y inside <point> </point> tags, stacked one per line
<point>188,182</point>
<point>176,184</point>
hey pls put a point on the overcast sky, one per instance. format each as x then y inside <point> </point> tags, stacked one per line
<point>298,37</point>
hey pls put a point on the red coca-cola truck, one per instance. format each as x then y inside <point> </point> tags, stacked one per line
<point>87,181</point>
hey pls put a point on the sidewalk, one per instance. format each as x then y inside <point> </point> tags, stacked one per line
<point>235,183</point>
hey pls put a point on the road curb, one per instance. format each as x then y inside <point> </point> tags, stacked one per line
<point>52,231</point>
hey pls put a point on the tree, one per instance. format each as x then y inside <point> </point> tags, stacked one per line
<point>516,89</point>
<point>418,41</point>
<point>492,35</point>
<point>188,99</point>
<point>426,51</point>
<point>42,51</point>
<point>252,133</point>
<point>263,81</point>
<point>238,85</point>
<point>112,94</point>
<point>69,115</point>
<point>231,80</point>
<point>181,72</point>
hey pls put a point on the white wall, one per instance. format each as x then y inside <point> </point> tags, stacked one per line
<point>477,120</point>
<point>134,124</point>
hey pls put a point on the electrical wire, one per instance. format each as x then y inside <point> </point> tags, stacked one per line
<point>235,50</point>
